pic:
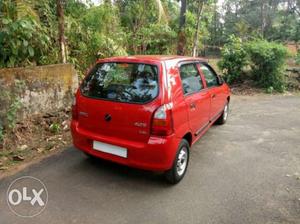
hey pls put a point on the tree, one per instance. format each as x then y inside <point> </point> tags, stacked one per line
<point>181,32</point>
<point>196,36</point>
<point>273,19</point>
<point>23,39</point>
<point>147,27</point>
<point>82,32</point>
<point>61,31</point>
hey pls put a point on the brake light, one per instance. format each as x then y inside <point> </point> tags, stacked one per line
<point>74,109</point>
<point>162,122</point>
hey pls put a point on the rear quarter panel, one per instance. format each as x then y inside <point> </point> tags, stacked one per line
<point>175,95</point>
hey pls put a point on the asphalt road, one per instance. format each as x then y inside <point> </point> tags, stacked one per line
<point>243,172</point>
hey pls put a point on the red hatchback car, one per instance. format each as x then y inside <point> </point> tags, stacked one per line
<point>147,111</point>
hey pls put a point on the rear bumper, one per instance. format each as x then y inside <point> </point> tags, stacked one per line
<point>157,154</point>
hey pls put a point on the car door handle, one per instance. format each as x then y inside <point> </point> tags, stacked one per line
<point>213,95</point>
<point>193,106</point>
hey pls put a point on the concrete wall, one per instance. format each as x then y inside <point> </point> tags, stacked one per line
<point>39,89</point>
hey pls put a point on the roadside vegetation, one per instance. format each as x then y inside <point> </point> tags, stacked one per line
<point>258,60</point>
<point>76,31</point>
<point>36,136</point>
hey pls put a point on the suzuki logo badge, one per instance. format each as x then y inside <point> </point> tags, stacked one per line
<point>107,117</point>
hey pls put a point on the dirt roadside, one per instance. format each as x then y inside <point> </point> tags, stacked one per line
<point>34,139</point>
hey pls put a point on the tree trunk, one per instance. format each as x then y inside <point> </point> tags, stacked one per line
<point>181,34</point>
<point>215,29</point>
<point>61,31</point>
<point>195,44</point>
<point>263,19</point>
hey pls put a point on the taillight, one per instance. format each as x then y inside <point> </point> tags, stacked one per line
<point>162,122</point>
<point>74,109</point>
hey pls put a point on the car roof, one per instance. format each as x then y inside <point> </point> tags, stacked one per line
<point>154,58</point>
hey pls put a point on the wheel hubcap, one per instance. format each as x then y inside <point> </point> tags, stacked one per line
<point>225,113</point>
<point>182,161</point>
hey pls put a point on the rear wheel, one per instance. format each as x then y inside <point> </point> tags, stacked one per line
<point>223,118</point>
<point>180,164</point>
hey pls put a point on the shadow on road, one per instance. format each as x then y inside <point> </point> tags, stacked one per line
<point>104,170</point>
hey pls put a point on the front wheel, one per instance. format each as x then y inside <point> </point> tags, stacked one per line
<point>180,164</point>
<point>223,118</point>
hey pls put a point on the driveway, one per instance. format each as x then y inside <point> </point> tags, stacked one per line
<point>247,171</point>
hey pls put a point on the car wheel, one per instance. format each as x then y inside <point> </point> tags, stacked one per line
<point>223,118</point>
<point>180,164</point>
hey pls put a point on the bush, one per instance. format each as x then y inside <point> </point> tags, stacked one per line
<point>233,59</point>
<point>22,42</point>
<point>267,61</point>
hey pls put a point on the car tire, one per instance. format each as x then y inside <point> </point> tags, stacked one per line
<point>180,164</point>
<point>223,118</point>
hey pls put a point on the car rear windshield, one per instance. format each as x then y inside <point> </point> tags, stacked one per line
<point>122,82</point>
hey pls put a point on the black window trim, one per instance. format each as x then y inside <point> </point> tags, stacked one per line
<point>159,74</point>
<point>191,62</point>
<point>213,71</point>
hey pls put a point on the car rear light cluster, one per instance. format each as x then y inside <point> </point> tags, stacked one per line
<point>74,110</point>
<point>162,122</point>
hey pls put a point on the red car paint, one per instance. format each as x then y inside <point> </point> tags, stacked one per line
<point>134,127</point>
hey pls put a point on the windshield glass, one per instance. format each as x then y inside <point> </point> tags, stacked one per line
<point>123,82</point>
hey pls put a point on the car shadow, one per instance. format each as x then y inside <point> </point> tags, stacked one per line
<point>104,170</point>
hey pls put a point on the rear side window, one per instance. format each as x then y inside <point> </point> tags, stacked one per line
<point>191,81</point>
<point>210,76</point>
<point>122,82</point>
